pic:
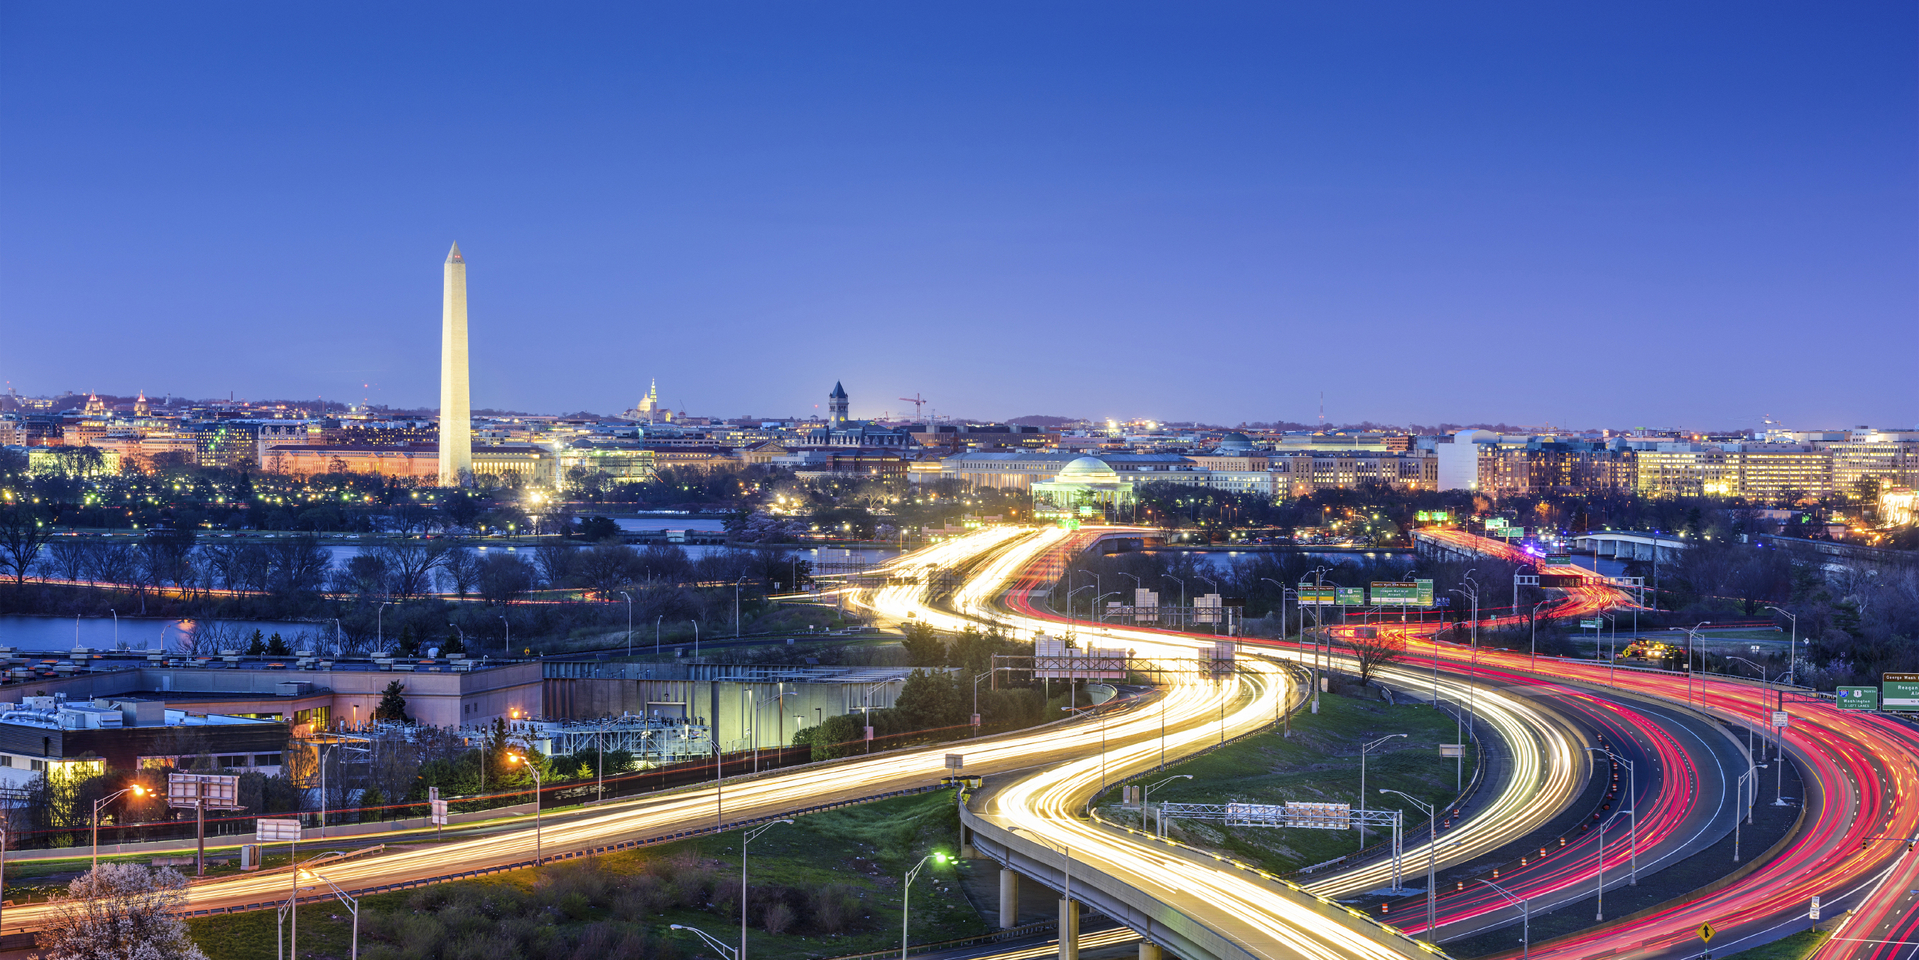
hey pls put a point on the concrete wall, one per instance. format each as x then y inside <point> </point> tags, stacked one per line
<point>750,713</point>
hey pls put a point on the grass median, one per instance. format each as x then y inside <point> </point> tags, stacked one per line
<point>826,885</point>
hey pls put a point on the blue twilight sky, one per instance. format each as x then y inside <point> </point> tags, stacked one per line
<point>1618,214</point>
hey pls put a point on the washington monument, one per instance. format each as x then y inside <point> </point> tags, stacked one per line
<point>456,404</point>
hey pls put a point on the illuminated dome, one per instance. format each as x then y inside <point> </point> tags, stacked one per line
<point>1088,469</point>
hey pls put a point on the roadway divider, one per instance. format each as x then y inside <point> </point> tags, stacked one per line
<point>574,854</point>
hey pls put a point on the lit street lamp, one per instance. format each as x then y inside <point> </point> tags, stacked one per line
<point>629,622</point>
<point>1689,635</point>
<point>906,894</point>
<point>1792,647</point>
<point>539,855</point>
<point>137,790</point>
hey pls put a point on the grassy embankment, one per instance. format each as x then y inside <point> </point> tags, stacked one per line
<point>1319,763</point>
<point>830,883</point>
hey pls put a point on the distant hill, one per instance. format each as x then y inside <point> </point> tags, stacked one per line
<point>1037,421</point>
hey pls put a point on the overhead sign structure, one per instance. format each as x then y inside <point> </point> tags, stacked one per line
<point>276,831</point>
<point>1559,560</point>
<point>1588,624</point>
<point>1351,596</point>
<point>1513,533</point>
<point>1495,523</point>
<point>1858,698</point>
<point>1316,816</point>
<point>1899,691</point>
<point>1416,593</point>
<point>1318,596</point>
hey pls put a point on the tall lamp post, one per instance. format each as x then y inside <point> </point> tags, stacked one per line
<point>745,839</point>
<point>1632,801</point>
<point>1689,636</point>
<point>726,952</point>
<point>629,622</point>
<point>379,625</point>
<point>1146,796</point>
<point>906,894</point>
<point>1432,857</point>
<point>137,790</point>
<point>1362,782</point>
<point>1792,647</point>
<point>1525,918</point>
<point>1221,613</point>
<point>736,604</point>
<point>352,904</point>
<point>1182,588</point>
<point>539,854</point>
<point>1534,620</point>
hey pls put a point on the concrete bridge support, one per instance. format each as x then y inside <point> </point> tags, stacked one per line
<point>1008,899</point>
<point>1148,950</point>
<point>1068,929</point>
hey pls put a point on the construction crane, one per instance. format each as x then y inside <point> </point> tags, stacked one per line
<point>916,400</point>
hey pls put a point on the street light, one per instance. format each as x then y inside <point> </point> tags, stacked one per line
<point>1182,587</point>
<point>539,855</point>
<point>379,625</point>
<point>1145,799</point>
<point>1525,916</point>
<point>726,952</point>
<point>137,790</point>
<point>745,839</point>
<point>1221,614</point>
<point>1362,783</point>
<point>906,894</point>
<point>1792,647</point>
<point>696,646</point>
<point>1534,620</point>
<point>1432,857</point>
<point>736,604</point>
<point>1632,799</point>
<point>629,622</point>
<point>1689,636</point>
<point>352,903</point>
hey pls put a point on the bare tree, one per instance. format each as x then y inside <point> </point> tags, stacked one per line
<point>410,565</point>
<point>460,570</point>
<point>120,911</point>
<point>23,532</point>
<point>1374,651</point>
<point>68,557</point>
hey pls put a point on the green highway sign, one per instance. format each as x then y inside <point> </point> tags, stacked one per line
<point>1899,691</point>
<point>1858,698</point>
<point>1351,596</point>
<point>1494,523</point>
<point>1318,596</point>
<point>1416,593</point>
<point>1584,624</point>
<point>1559,560</point>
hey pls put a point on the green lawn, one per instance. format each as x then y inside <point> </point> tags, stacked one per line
<point>1319,763</point>
<point>833,878</point>
<point>1799,946</point>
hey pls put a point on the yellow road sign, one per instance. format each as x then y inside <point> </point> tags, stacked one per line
<point>1705,932</point>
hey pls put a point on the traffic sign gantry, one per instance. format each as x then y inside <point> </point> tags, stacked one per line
<point>1858,698</point>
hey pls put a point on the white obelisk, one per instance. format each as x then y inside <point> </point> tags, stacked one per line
<point>456,406</point>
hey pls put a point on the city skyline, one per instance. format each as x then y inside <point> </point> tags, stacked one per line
<point>1455,216</point>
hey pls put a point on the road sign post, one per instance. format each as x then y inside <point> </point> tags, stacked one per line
<point>201,791</point>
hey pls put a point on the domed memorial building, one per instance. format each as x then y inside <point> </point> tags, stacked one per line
<point>1086,487</point>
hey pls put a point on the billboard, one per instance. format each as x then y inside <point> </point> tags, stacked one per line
<point>1351,596</point>
<point>1416,593</point>
<point>214,791</point>
<point>1858,698</point>
<point>276,831</point>
<point>1899,691</point>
